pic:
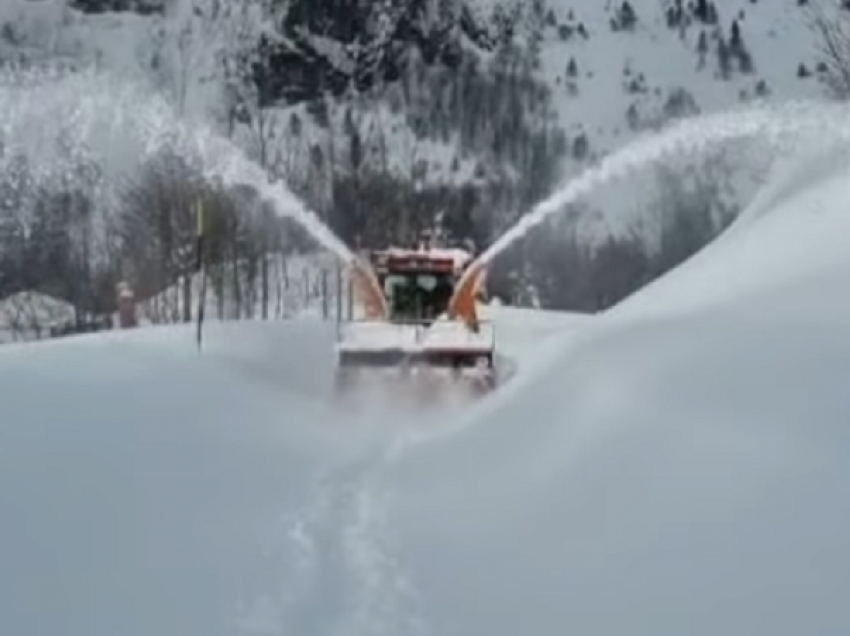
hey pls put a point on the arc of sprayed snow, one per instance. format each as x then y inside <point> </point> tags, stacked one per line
<point>776,123</point>
<point>100,104</point>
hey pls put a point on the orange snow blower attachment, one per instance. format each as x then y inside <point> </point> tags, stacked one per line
<point>367,289</point>
<point>419,317</point>
<point>463,303</point>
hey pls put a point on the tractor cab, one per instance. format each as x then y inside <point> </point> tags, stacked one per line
<point>417,285</point>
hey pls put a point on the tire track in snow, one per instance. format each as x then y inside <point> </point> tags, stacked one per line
<point>338,571</point>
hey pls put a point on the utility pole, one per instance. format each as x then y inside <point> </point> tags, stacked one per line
<point>201,272</point>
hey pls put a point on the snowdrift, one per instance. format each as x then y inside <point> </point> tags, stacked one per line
<point>676,466</point>
<point>140,485</point>
<point>680,469</point>
<point>147,489</point>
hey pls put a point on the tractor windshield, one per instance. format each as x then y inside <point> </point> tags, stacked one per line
<point>417,296</point>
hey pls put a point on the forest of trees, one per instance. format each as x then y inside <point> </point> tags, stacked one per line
<point>57,243</point>
<point>64,238</point>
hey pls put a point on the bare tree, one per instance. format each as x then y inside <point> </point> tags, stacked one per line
<point>158,231</point>
<point>832,29</point>
<point>269,241</point>
<point>205,50</point>
<point>290,166</point>
<point>15,202</point>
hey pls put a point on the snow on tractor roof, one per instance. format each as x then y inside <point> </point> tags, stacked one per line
<point>458,257</point>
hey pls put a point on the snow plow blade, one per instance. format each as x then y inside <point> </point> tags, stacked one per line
<point>416,359</point>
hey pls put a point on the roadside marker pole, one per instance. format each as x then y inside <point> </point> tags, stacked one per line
<point>201,271</point>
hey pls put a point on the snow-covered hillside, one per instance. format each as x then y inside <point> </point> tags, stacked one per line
<point>655,70</point>
<point>677,465</point>
<point>607,83</point>
<point>690,479</point>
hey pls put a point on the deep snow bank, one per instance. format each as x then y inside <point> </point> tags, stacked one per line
<point>794,229</point>
<point>143,488</point>
<point>680,469</point>
<point>147,489</point>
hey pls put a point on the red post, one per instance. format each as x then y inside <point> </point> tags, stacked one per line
<point>127,318</point>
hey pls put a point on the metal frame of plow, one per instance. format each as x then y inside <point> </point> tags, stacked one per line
<point>413,344</point>
<point>439,335</point>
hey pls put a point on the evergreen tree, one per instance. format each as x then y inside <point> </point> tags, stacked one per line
<point>735,41</point>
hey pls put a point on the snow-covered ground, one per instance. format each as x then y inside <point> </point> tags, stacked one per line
<point>677,470</point>
<point>676,466</point>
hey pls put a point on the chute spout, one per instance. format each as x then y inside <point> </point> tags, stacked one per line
<point>462,305</point>
<point>367,290</point>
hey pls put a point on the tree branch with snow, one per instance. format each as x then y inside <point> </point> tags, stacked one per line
<point>832,29</point>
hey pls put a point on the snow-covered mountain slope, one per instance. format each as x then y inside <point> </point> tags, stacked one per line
<point>623,79</point>
<point>609,85</point>
<point>648,66</point>
<point>646,473</point>
<point>52,31</point>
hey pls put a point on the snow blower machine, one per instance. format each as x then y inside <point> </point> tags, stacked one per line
<point>419,336</point>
